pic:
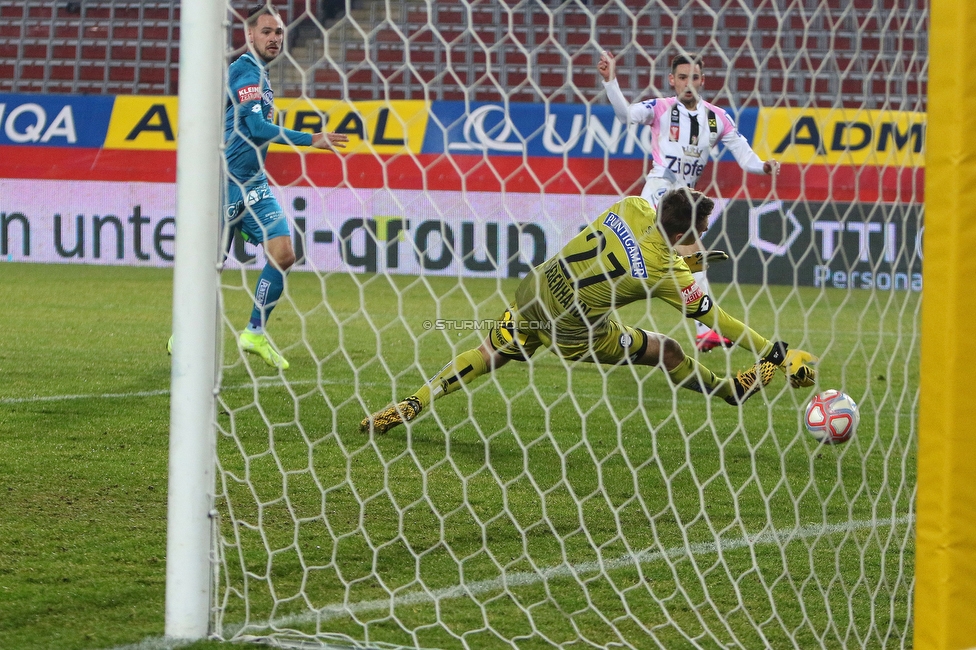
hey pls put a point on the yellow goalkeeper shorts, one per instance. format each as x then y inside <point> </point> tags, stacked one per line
<point>519,333</point>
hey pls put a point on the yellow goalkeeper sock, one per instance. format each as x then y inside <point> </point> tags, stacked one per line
<point>694,376</point>
<point>464,368</point>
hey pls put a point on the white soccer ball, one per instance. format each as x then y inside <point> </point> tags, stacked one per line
<point>832,417</point>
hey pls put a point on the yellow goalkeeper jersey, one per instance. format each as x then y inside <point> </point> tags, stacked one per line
<point>620,258</point>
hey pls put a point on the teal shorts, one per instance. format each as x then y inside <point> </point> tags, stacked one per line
<point>256,214</point>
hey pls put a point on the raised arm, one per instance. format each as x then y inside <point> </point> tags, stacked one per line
<point>641,113</point>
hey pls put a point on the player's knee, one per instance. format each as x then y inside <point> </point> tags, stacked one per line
<point>280,252</point>
<point>287,261</point>
<point>493,359</point>
<point>283,259</point>
<point>662,350</point>
<point>671,353</point>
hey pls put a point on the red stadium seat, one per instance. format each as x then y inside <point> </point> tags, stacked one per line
<point>842,52</point>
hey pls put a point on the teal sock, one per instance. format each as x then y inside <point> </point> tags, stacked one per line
<point>270,285</point>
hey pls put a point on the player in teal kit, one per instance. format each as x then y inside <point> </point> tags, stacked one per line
<point>250,207</point>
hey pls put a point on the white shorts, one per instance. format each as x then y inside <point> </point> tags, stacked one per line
<point>654,189</point>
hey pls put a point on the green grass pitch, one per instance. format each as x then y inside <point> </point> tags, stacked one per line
<point>660,518</point>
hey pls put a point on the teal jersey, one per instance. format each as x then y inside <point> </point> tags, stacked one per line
<point>249,122</point>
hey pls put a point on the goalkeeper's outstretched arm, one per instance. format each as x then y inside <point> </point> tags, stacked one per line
<point>797,364</point>
<point>700,260</point>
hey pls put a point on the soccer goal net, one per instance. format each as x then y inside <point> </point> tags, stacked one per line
<point>559,503</point>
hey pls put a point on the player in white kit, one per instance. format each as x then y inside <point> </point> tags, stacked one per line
<point>684,131</point>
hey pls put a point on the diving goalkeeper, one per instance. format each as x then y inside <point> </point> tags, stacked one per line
<point>627,254</point>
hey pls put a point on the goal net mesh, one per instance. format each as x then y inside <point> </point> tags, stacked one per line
<point>568,504</point>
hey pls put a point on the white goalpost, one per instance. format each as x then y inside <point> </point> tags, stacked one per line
<point>189,544</point>
<point>549,503</point>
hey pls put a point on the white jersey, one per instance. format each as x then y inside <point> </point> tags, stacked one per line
<point>681,141</point>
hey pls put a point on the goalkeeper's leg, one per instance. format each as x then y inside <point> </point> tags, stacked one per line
<point>462,370</point>
<point>504,343</point>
